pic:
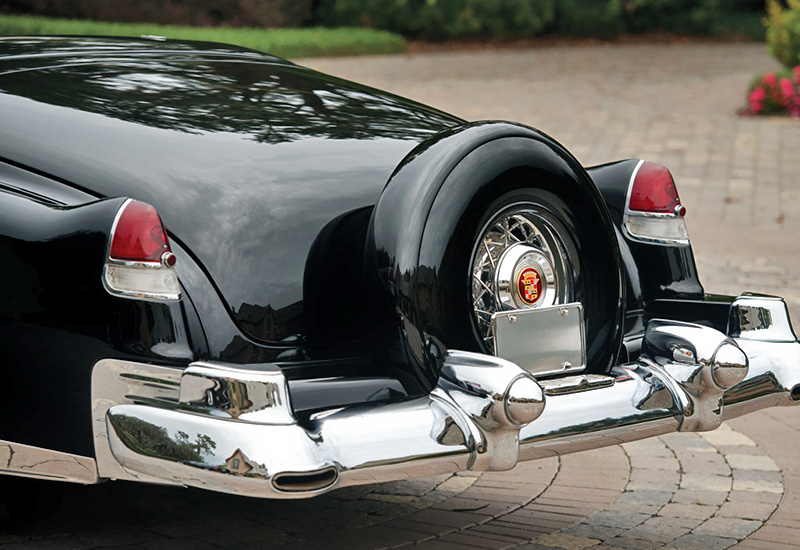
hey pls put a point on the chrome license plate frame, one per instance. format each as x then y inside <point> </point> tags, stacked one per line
<point>545,340</point>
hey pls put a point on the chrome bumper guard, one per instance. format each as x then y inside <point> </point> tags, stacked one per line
<point>233,430</point>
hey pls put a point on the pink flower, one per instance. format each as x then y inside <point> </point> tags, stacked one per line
<point>770,79</point>
<point>755,106</point>
<point>756,98</point>
<point>794,110</point>
<point>797,75</point>
<point>788,91</point>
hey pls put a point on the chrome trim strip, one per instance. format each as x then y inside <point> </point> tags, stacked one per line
<point>18,459</point>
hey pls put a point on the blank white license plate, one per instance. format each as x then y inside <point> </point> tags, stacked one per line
<point>543,340</point>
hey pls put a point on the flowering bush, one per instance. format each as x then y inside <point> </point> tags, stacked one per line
<point>776,93</point>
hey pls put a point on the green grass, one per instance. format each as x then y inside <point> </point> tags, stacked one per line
<point>290,43</point>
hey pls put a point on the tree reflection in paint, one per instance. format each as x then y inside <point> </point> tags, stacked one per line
<point>266,101</point>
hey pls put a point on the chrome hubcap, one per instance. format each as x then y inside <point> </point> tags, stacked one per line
<point>524,278</point>
<point>519,262</point>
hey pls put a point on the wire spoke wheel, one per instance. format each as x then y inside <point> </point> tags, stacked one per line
<point>519,261</point>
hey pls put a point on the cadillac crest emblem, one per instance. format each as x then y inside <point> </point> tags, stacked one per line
<point>529,286</point>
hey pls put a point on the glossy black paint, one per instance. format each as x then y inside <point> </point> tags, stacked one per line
<point>56,319</point>
<point>428,218</point>
<point>245,156</point>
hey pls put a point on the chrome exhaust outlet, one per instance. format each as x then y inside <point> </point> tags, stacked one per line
<point>234,429</point>
<point>305,482</point>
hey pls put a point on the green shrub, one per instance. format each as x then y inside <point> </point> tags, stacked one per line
<point>505,19</point>
<point>678,16</point>
<point>443,19</point>
<point>600,18</point>
<point>783,31</point>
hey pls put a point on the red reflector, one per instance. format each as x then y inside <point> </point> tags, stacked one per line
<point>139,235</point>
<point>654,191</point>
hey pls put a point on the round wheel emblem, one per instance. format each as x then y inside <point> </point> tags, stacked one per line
<point>529,286</point>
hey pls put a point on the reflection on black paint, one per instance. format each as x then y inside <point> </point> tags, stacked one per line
<point>246,157</point>
<point>266,102</point>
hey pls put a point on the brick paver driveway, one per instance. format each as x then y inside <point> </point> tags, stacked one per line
<point>740,179</point>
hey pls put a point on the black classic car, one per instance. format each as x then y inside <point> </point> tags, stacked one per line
<point>223,270</point>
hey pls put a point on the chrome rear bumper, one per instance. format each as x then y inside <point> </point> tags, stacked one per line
<point>233,430</point>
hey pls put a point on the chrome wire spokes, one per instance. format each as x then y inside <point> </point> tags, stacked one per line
<point>518,225</point>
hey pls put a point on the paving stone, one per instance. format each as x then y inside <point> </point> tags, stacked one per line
<point>737,528</point>
<point>648,448</point>
<point>702,542</point>
<point>758,485</point>
<point>600,532</point>
<point>644,462</point>
<point>624,541</point>
<point>655,532</point>
<point>665,481</point>
<point>474,540</point>
<point>751,510</point>
<point>747,497</point>
<point>615,519</point>
<point>645,497</point>
<point>709,483</point>
<point>739,450</point>
<point>726,436</point>
<point>670,522</point>
<point>704,463</point>
<point>566,541</point>
<point>695,511</point>
<point>703,498</point>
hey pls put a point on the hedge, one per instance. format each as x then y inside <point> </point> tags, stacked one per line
<point>453,19</point>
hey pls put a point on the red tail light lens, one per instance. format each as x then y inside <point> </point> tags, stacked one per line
<point>139,235</point>
<point>654,191</point>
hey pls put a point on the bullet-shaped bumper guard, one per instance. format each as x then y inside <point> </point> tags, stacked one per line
<point>234,431</point>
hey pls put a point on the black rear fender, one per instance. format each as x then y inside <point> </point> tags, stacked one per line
<point>652,271</point>
<point>428,218</point>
